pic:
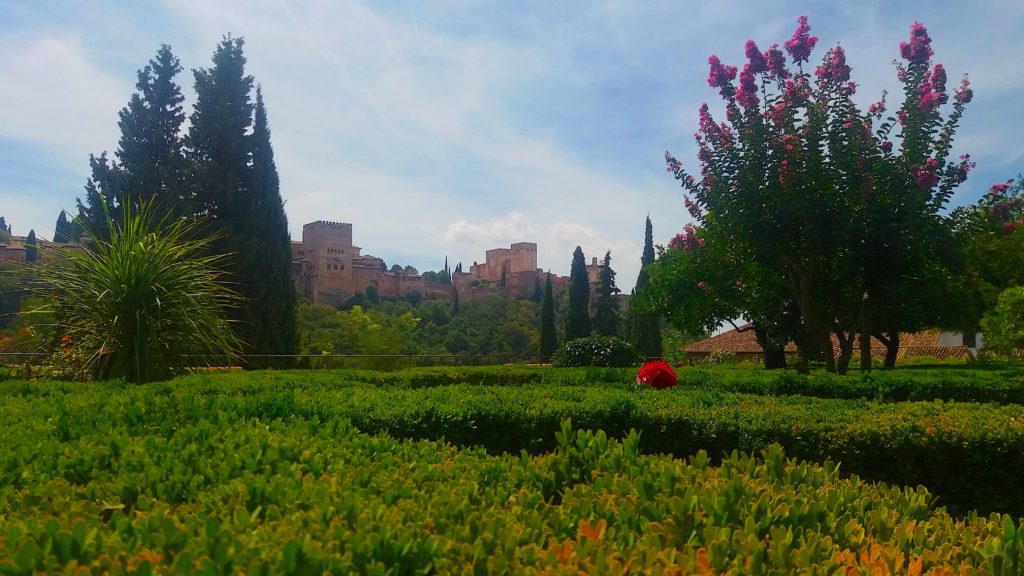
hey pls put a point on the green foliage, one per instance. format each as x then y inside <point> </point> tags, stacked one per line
<point>270,323</point>
<point>578,318</point>
<point>149,162</point>
<point>607,351</point>
<point>606,308</point>
<point>548,335</point>
<point>222,477</point>
<point>1004,324</point>
<point>31,247</point>
<point>144,305</point>
<point>645,322</point>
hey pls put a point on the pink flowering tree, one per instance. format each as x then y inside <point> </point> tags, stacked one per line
<point>842,205</point>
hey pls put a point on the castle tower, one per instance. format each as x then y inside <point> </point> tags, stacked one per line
<point>328,252</point>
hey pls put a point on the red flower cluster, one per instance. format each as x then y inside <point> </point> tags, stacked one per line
<point>657,374</point>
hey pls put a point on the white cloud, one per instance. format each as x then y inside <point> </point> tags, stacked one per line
<point>55,96</point>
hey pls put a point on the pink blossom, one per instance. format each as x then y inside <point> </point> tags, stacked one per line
<point>687,241</point>
<point>833,68</point>
<point>758,62</point>
<point>703,286</point>
<point>878,108</point>
<point>886,147</point>
<point>932,91</point>
<point>719,76</point>
<point>901,116</point>
<point>919,48</point>
<point>747,95</point>
<point>963,94</point>
<point>963,168</point>
<point>796,91</point>
<point>692,208</point>
<point>776,62</point>
<point>789,142</point>
<point>998,189</point>
<point>801,44</point>
<point>925,175</point>
<point>1011,227</point>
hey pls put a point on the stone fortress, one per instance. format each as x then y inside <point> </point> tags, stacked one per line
<point>329,269</point>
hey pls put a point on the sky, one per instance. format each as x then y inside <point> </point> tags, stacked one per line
<point>450,127</point>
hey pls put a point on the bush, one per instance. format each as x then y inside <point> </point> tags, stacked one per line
<point>144,305</point>
<point>1004,325</point>
<point>603,351</point>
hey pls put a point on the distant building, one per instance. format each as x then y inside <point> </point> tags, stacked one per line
<point>329,269</point>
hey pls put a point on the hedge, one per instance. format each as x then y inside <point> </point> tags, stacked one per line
<point>179,479</point>
<point>968,454</point>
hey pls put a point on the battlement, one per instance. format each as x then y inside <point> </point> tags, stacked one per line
<point>526,246</point>
<point>327,224</point>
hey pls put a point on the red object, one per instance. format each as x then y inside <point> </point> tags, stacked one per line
<point>657,374</point>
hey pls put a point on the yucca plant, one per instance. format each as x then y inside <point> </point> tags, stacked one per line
<point>143,301</point>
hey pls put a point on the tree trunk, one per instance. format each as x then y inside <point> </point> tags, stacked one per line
<point>842,364</point>
<point>774,355</point>
<point>866,327</point>
<point>892,348</point>
<point>774,359</point>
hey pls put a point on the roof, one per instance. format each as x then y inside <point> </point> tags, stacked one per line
<point>739,340</point>
<point>742,340</point>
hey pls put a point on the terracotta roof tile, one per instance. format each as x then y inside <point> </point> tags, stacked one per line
<point>743,341</point>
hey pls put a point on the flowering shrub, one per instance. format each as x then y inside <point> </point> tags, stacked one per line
<point>603,351</point>
<point>800,187</point>
<point>657,374</point>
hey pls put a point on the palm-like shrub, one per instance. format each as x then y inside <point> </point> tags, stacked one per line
<point>144,305</point>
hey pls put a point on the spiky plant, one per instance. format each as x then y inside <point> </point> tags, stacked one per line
<point>145,305</point>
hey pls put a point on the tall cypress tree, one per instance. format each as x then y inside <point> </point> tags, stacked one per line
<point>150,150</point>
<point>578,321</point>
<point>268,249</point>
<point>148,161</point>
<point>548,336</point>
<point>538,292</point>
<point>31,247</point>
<point>647,325</point>
<point>606,309</point>
<point>217,141</point>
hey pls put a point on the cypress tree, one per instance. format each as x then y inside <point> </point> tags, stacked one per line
<point>606,309</point>
<point>647,334</point>
<point>578,321</point>
<point>538,292</point>
<point>62,230</point>
<point>5,230</point>
<point>150,150</point>
<point>217,141</point>
<point>148,160</point>
<point>31,247</point>
<point>455,304</point>
<point>548,336</point>
<point>267,250</point>
<point>235,185</point>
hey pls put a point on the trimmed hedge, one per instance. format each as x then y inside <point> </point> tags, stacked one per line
<point>1003,384</point>
<point>178,479</point>
<point>967,454</point>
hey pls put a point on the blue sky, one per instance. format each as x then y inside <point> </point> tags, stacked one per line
<point>451,127</point>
